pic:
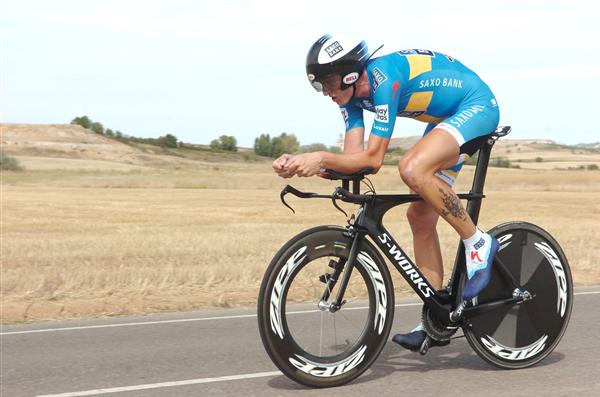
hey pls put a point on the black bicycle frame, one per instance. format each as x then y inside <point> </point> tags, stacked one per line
<point>369,223</point>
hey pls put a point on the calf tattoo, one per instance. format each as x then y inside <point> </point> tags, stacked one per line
<point>453,205</point>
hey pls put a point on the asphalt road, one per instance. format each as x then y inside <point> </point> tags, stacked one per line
<point>219,353</point>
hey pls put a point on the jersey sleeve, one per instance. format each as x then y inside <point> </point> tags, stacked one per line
<point>385,94</point>
<point>353,116</point>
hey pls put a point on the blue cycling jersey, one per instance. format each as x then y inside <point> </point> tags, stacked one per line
<point>427,86</point>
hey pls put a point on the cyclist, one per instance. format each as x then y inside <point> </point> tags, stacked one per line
<point>428,86</point>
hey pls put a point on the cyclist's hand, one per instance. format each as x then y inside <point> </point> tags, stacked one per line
<point>307,164</point>
<point>280,163</point>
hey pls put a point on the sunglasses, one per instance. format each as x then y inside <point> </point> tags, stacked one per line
<point>327,83</point>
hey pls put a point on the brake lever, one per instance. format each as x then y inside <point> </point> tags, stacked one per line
<point>334,201</point>
<point>285,191</point>
<point>290,189</point>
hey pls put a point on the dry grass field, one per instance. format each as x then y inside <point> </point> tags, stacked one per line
<point>80,238</point>
<point>96,227</point>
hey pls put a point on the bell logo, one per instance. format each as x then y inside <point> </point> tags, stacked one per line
<point>350,78</point>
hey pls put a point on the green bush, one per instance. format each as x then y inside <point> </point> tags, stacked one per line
<point>262,145</point>
<point>284,143</point>
<point>167,141</point>
<point>225,142</point>
<point>275,147</point>
<point>97,127</point>
<point>8,162</point>
<point>83,121</point>
<point>501,162</point>
<point>593,167</point>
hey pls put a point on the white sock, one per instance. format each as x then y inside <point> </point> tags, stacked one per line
<point>470,242</point>
<point>474,249</point>
<point>418,328</point>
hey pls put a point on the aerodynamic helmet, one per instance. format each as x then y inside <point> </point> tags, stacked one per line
<point>332,56</point>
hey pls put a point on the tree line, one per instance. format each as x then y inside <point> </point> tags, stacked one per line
<point>274,147</point>
<point>264,145</point>
<point>168,140</point>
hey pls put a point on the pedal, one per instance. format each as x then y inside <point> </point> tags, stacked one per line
<point>333,263</point>
<point>425,346</point>
<point>324,278</point>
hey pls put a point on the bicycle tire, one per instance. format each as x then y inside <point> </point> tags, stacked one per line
<point>522,335</point>
<point>293,275</point>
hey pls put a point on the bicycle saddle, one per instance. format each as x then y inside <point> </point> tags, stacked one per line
<point>501,131</point>
<point>334,175</point>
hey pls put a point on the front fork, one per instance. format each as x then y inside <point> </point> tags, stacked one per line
<point>331,280</point>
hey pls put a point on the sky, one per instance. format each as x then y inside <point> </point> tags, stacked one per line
<point>201,69</point>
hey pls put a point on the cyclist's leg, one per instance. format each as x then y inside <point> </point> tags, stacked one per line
<point>434,152</point>
<point>423,221</point>
<point>442,148</point>
<point>459,134</point>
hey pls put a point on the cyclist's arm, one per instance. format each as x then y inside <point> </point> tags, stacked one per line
<point>308,164</point>
<point>348,163</point>
<point>354,140</point>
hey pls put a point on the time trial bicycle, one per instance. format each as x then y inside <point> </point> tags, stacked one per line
<point>326,302</point>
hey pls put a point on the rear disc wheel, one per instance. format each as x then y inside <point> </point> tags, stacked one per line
<point>521,335</point>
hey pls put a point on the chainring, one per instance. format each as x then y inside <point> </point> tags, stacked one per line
<point>434,327</point>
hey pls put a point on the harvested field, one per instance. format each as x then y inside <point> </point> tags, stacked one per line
<point>81,242</point>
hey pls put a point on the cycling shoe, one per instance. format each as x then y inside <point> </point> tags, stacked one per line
<point>414,339</point>
<point>481,269</point>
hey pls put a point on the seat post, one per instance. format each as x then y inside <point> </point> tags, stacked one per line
<point>474,205</point>
<point>356,186</point>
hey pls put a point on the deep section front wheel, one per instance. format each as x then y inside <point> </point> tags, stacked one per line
<point>309,341</point>
<point>521,335</point>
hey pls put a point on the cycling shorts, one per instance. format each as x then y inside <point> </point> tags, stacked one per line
<point>470,125</point>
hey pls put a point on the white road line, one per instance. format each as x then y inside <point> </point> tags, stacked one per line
<point>163,384</point>
<point>189,381</point>
<point>182,320</point>
<point>186,320</point>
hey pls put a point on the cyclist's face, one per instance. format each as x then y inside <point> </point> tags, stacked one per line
<point>331,88</point>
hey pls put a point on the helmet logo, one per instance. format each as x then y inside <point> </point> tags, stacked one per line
<point>350,78</point>
<point>333,48</point>
<point>311,77</point>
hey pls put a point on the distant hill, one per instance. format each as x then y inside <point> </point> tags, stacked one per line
<point>404,143</point>
<point>595,145</point>
<point>29,142</point>
<point>72,146</point>
<point>531,153</point>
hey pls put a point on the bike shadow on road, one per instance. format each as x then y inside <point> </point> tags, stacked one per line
<point>456,356</point>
